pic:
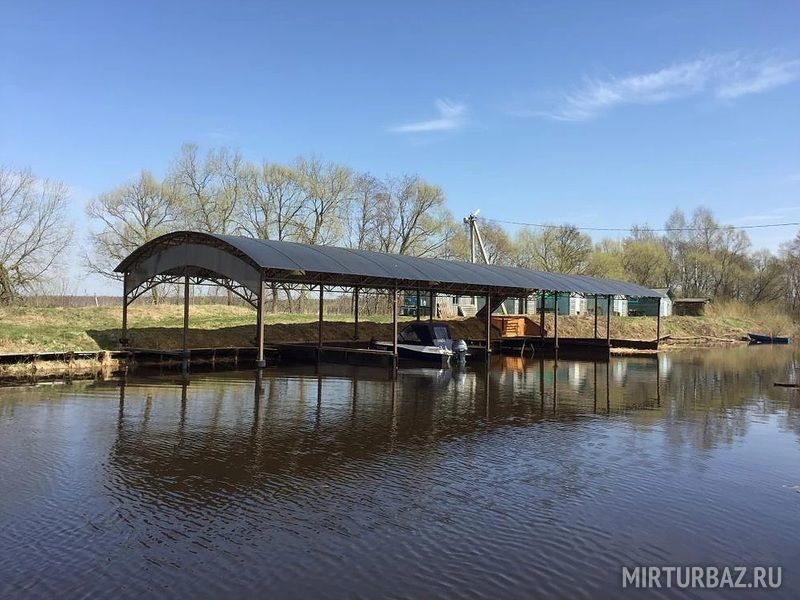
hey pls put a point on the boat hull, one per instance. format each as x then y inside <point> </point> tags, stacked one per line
<point>428,354</point>
<point>757,338</point>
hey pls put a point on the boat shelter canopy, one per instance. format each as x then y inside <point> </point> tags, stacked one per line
<point>244,265</point>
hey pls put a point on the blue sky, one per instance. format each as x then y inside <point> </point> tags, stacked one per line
<point>600,114</point>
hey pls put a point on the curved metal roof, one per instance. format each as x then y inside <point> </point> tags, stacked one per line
<point>305,263</point>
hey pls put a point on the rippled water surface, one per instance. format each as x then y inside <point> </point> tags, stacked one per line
<point>534,478</point>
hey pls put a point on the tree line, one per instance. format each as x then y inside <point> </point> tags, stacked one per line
<point>320,202</point>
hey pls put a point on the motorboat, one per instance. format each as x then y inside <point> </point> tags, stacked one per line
<point>427,341</point>
<point>758,338</point>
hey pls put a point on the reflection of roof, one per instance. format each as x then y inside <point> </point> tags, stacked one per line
<point>180,252</point>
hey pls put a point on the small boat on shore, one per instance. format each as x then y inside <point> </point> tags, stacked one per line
<point>423,341</point>
<point>758,338</point>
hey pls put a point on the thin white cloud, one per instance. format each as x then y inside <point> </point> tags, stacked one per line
<point>452,116</point>
<point>725,76</point>
<point>758,78</point>
<point>775,215</point>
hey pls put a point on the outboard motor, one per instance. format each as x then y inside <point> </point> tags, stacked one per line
<point>460,352</point>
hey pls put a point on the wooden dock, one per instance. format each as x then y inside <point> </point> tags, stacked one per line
<point>570,347</point>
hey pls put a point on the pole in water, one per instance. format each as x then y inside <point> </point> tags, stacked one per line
<point>658,324</point>
<point>555,322</point>
<point>541,315</point>
<point>319,323</point>
<point>123,341</point>
<point>355,313</point>
<point>488,326</point>
<point>260,362</point>
<point>185,362</point>
<point>394,328</point>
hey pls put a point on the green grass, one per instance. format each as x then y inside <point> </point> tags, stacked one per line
<point>25,329</point>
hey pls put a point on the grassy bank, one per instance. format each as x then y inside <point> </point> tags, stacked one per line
<point>27,330</point>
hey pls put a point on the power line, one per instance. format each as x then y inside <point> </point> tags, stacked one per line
<point>653,229</point>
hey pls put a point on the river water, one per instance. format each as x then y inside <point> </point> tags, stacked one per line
<point>532,478</point>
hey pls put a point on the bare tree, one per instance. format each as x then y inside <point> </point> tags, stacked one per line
<point>129,216</point>
<point>210,188</point>
<point>562,249</point>
<point>408,216</point>
<point>328,190</point>
<point>768,280</point>
<point>361,220</point>
<point>790,256</point>
<point>271,208</point>
<point>420,217</point>
<point>708,259</point>
<point>272,203</point>
<point>33,230</point>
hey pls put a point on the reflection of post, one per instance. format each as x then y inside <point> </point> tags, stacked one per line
<point>319,400</point>
<point>258,390</point>
<point>541,386</point>
<point>486,388</point>
<point>184,399</point>
<point>595,382</point>
<point>608,386</point>
<point>555,383</point>
<point>185,362</point>
<point>121,401</point>
<point>658,380</point>
<point>355,313</point>
<point>184,392</point>
<point>393,415</point>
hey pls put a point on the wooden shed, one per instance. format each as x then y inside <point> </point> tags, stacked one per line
<point>689,307</point>
<point>649,307</point>
<point>515,325</point>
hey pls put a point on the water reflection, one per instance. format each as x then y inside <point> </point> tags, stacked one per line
<point>345,481</point>
<point>311,421</point>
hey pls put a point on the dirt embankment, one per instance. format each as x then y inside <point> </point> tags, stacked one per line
<point>32,330</point>
<point>675,331</point>
<point>280,333</point>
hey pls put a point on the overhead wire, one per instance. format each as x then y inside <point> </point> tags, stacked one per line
<point>643,227</point>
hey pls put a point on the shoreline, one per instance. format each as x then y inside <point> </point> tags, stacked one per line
<point>39,344</point>
<point>33,368</point>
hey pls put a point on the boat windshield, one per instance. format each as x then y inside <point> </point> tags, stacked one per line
<point>440,333</point>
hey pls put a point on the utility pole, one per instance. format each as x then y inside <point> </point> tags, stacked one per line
<point>472,221</point>
<point>475,233</point>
